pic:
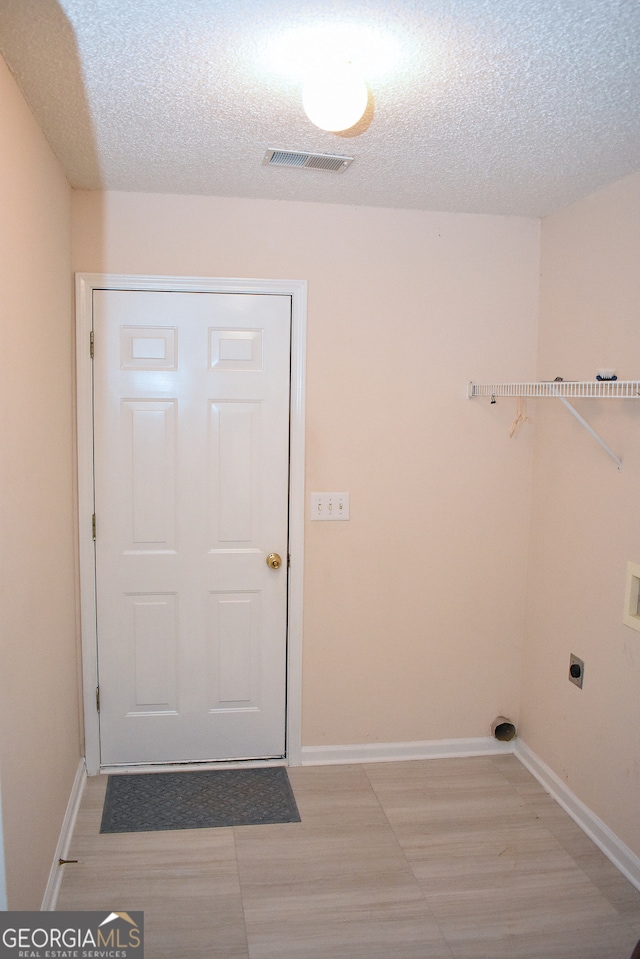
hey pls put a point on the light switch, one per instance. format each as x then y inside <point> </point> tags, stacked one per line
<point>330,506</point>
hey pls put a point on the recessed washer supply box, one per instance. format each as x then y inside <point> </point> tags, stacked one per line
<point>631,616</point>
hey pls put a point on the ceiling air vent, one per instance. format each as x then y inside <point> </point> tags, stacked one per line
<point>310,161</point>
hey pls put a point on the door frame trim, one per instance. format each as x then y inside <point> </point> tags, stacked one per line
<point>86,283</point>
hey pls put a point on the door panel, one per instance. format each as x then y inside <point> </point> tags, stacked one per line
<point>152,621</point>
<point>234,635</point>
<point>149,441</point>
<point>191,414</point>
<point>235,470</point>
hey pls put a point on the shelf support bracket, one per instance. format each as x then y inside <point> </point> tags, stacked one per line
<point>590,429</point>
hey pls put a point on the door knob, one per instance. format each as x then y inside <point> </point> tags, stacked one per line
<point>274,561</point>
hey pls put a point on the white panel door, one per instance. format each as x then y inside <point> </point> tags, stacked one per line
<point>191,446</point>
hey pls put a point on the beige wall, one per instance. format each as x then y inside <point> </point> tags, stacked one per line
<point>586,518</point>
<point>414,608</point>
<point>39,725</point>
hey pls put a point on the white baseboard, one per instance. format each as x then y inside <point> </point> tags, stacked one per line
<point>605,839</point>
<point>50,898</point>
<point>390,752</point>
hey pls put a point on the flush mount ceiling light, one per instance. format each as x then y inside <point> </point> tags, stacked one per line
<point>335,96</point>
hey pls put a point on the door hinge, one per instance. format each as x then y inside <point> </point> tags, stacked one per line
<point>91,344</point>
<point>93,526</point>
<point>98,698</point>
<point>288,560</point>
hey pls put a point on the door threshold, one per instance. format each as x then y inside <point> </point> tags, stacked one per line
<point>191,767</point>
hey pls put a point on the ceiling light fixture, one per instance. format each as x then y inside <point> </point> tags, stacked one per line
<point>335,97</point>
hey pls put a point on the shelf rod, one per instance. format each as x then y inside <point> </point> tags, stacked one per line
<point>590,389</point>
<point>591,430</point>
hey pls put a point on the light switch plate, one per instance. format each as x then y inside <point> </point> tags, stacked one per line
<point>330,506</point>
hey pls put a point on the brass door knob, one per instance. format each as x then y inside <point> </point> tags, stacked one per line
<point>274,561</point>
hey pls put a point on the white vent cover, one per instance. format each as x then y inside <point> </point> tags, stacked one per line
<point>310,161</point>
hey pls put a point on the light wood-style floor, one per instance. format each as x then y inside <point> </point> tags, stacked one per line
<point>460,858</point>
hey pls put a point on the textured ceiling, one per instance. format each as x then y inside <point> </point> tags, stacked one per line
<point>489,106</point>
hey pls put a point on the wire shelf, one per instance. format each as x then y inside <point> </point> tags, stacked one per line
<point>601,389</point>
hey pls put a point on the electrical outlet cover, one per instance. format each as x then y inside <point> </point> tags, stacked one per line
<point>576,671</point>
